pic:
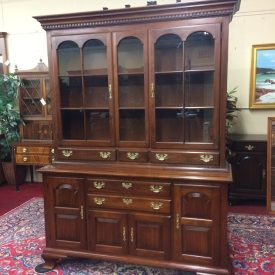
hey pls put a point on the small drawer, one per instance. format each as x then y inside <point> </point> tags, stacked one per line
<point>41,150</point>
<point>32,159</point>
<point>151,189</point>
<point>186,158</point>
<point>104,154</point>
<point>129,203</point>
<point>132,155</point>
<point>246,146</point>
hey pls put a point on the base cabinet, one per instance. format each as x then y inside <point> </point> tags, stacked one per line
<point>180,223</point>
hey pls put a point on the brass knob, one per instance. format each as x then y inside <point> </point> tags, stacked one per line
<point>25,150</point>
<point>25,159</point>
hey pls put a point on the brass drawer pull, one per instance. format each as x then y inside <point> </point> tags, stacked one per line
<point>161,157</point>
<point>206,158</point>
<point>124,234</point>
<point>25,159</point>
<point>249,147</point>
<point>178,221</point>
<point>156,205</point>
<point>105,155</point>
<point>99,184</point>
<point>81,212</point>
<point>25,150</point>
<point>127,201</point>
<point>67,153</point>
<point>52,150</point>
<point>156,188</point>
<point>127,185</point>
<point>132,156</point>
<point>99,201</point>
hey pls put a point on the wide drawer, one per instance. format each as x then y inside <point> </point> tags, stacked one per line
<point>132,155</point>
<point>32,159</point>
<point>129,203</point>
<point>186,158</point>
<point>41,150</point>
<point>152,189</point>
<point>86,154</point>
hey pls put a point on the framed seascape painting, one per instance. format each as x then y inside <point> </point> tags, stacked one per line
<point>262,88</point>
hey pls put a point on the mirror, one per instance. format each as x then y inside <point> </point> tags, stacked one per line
<point>271,166</point>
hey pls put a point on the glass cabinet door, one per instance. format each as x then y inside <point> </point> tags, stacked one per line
<point>85,92</point>
<point>131,99</point>
<point>182,88</point>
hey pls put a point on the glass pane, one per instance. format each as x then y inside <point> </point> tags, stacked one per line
<point>199,51</point>
<point>131,90</point>
<point>130,55</point>
<point>71,91</point>
<point>98,125</point>
<point>95,57</point>
<point>30,96</point>
<point>168,53</point>
<point>169,92</point>
<point>132,125</point>
<point>198,125</point>
<point>69,59</point>
<point>96,88</point>
<point>48,96</point>
<point>198,87</point>
<point>169,125</point>
<point>72,124</point>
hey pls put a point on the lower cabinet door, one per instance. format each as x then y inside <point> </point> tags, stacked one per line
<point>149,235</point>
<point>64,211</point>
<point>196,224</point>
<point>107,232</point>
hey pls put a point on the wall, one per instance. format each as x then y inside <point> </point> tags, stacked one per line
<point>253,24</point>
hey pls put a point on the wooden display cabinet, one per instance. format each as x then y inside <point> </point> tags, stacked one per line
<point>139,136</point>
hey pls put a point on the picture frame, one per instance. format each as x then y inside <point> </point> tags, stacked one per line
<point>262,88</point>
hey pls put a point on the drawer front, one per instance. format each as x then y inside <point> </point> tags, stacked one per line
<point>41,150</point>
<point>129,203</point>
<point>246,146</point>
<point>198,158</point>
<point>152,189</point>
<point>132,155</point>
<point>32,159</point>
<point>103,154</point>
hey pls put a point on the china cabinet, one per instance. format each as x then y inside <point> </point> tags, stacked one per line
<point>139,98</point>
<point>248,161</point>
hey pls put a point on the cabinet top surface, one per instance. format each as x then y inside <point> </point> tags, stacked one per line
<point>151,13</point>
<point>248,137</point>
<point>139,171</point>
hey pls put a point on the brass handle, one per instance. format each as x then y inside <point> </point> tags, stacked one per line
<point>25,150</point>
<point>156,188</point>
<point>81,212</point>
<point>132,156</point>
<point>156,205</point>
<point>249,147</point>
<point>161,157</point>
<point>99,184</point>
<point>25,159</point>
<point>206,158</point>
<point>105,155</point>
<point>99,201</point>
<point>52,150</point>
<point>67,153</point>
<point>132,234</point>
<point>127,185</point>
<point>178,221</point>
<point>152,90</point>
<point>127,201</point>
<point>110,91</point>
<point>124,233</point>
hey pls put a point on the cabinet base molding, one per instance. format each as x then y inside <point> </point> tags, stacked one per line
<point>52,256</point>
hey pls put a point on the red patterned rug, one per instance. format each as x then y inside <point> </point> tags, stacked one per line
<point>252,243</point>
<point>251,240</point>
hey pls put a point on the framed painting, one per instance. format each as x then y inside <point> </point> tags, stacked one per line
<point>262,88</point>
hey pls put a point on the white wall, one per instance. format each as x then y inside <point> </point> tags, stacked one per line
<point>253,24</point>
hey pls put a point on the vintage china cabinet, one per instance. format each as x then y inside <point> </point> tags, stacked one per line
<point>139,99</point>
<point>36,135</point>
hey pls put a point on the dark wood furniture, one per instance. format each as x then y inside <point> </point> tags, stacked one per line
<point>248,162</point>
<point>36,145</point>
<point>139,99</point>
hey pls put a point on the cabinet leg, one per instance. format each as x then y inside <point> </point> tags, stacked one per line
<point>45,267</point>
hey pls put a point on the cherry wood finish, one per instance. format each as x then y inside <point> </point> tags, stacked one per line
<point>139,174</point>
<point>248,160</point>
